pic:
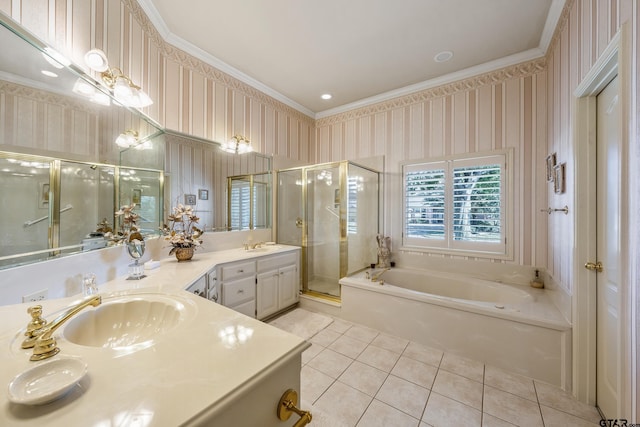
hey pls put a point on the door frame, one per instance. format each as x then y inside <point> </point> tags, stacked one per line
<point>613,61</point>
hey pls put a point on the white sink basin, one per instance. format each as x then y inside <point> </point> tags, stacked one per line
<point>126,321</point>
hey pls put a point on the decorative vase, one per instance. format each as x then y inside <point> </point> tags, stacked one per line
<point>184,254</point>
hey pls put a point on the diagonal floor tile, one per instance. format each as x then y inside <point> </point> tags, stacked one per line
<point>459,388</point>
<point>379,414</point>
<point>362,333</point>
<point>512,408</point>
<point>445,412</point>
<point>423,354</point>
<point>324,337</point>
<point>348,346</point>
<point>313,383</point>
<point>554,418</point>
<point>363,377</point>
<point>403,395</point>
<point>344,403</point>
<point>379,358</point>
<point>331,363</point>
<point>491,421</point>
<point>555,397</point>
<point>463,366</point>
<point>414,371</point>
<point>391,343</point>
<point>512,383</point>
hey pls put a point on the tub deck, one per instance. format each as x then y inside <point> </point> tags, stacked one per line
<point>528,336</point>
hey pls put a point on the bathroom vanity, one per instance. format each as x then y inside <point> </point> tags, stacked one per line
<point>210,365</point>
<point>264,282</point>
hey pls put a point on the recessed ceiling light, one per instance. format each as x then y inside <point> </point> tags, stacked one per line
<point>55,58</point>
<point>326,96</point>
<point>49,73</point>
<point>443,56</point>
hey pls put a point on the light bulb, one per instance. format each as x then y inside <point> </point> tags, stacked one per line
<point>96,60</point>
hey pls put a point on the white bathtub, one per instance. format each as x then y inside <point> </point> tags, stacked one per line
<point>508,326</point>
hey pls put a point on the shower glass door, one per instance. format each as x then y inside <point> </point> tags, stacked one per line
<point>289,220</point>
<point>324,209</point>
<point>362,217</point>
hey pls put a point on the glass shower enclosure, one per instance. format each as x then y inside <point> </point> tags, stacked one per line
<point>331,211</point>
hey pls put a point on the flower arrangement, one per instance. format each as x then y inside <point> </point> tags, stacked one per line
<point>183,232</point>
<point>130,231</point>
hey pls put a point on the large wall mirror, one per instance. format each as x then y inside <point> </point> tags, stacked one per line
<point>62,176</point>
<point>198,169</point>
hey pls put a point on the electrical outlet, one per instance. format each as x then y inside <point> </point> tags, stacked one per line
<point>36,296</point>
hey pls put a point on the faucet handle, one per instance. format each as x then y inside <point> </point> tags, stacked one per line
<point>35,326</point>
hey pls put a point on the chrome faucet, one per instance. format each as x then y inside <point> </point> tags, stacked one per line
<point>42,341</point>
<point>376,276</point>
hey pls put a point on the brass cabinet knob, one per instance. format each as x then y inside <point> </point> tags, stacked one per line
<point>594,266</point>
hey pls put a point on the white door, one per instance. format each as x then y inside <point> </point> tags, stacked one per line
<point>609,328</point>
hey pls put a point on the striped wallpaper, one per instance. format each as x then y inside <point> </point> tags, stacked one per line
<point>502,109</point>
<point>584,31</point>
<point>190,96</point>
<point>526,107</point>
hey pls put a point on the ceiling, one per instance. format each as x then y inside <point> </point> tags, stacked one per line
<point>360,51</point>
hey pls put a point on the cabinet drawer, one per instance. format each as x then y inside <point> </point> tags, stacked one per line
<point>237,269</point>
<point>239,291</point>
<point>275,261</point>
<point>248,308</point>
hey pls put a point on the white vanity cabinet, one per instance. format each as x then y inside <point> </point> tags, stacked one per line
<point>259,286</point>
<point>206,286</point>
<point>238,286</point>
<point>278,283</point>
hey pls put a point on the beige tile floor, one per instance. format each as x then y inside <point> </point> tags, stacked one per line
<point>356,376</point>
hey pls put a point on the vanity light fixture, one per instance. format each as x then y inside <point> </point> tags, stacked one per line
<point>86,89</point>
<point>238,144</point>
<point>124,90</point>
<point>127,139</point>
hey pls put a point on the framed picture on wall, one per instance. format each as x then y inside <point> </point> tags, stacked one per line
<point>190,199</point>
<point>203,194</point>
<point>551,164</point>
<point>43,195</point>
<point>559,178</point>
<point>136,196</point>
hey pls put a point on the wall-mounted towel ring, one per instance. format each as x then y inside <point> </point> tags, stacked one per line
<point>551,210</point>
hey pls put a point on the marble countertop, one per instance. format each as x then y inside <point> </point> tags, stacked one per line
<point>192,368</point>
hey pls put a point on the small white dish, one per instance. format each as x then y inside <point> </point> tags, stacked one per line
<point>46,381</point>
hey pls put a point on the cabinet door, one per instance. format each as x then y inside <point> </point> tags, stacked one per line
<point>267,290</point>
<point>238,291</point>
<point>288,285</point>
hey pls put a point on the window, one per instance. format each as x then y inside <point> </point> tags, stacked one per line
<point>458,205</point>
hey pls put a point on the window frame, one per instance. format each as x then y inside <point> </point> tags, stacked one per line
<point>448,245</point>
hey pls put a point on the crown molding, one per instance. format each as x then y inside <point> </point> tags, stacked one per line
<point>550,25</point>
<point>546,40</point>
<point>447,79</point>
<point>439,90</point>
<point>191,49</point>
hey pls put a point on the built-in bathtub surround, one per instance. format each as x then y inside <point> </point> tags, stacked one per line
<point>488,270</point>
<point>513,327</point>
